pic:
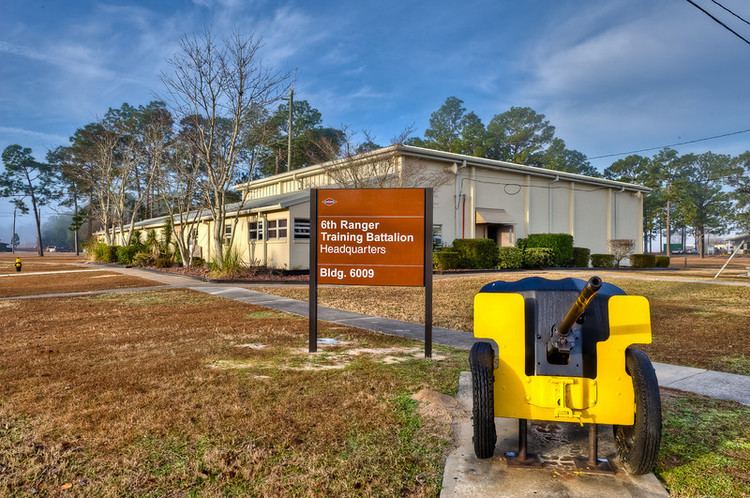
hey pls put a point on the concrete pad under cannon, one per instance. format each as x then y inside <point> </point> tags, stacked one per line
<point>557,444</point>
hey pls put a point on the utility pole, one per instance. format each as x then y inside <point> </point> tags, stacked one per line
<point>289,130</point>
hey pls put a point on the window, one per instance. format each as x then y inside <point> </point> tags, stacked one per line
<point>256,230</point>
<point>437,236</point>
<point>277,229</point>
<point>301,228</point>
<point>227,233</point>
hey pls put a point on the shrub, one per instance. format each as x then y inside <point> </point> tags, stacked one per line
<point>100,252</point>
<point>581,256</point>
<point>163,261</point>
<point>143,259</point>
<point>104,253</point>
<point>125,254</point>
<point>476,253</point>
<point>662,261</point>
<point>521,244</point>
<point>232,265</point>
<point>446,259</point>
<point>510,258</point>
<point>560,243</point>
<point>602,261</point>
<point>197,262</point>
<point>642,260</point>
<point>538,257</point>
<point>621,248</point>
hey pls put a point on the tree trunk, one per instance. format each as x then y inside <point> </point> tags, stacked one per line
<point>40,249</point>
<point>661,243</point>
<point>76,222</point>
<point>669,229</point>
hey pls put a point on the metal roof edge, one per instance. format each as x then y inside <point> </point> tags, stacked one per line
<point>519,168</point>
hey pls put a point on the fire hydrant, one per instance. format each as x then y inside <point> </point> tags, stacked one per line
<point>19,265</point>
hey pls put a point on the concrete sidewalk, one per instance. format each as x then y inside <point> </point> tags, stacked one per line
<point>718,385</point>
<point>557,445</point>
<point>624,274</point>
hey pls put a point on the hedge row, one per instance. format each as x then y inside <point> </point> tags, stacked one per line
<point>602,261</point>
<point>514,258</point>
<point>649,261</point>
<point>560,243</point>
<point>467,253</point>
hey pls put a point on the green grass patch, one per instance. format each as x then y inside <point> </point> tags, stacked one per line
<point>266,314</point>
<point>705,447</point>
<point>739,364</point>
<point>173,298</point>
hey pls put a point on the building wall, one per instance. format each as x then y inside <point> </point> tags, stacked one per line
<point>592,214</point>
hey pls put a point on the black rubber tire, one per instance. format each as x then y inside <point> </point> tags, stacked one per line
<point>482,361</point>
<point>638,445</point>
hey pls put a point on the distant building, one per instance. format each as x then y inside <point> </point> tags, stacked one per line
<point>473,198</point>
<point>5,247</point>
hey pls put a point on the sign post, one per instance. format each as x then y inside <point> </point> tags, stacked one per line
<point>371,237</point>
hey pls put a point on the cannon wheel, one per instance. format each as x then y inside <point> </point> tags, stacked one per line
<point>638,445</point>
<point>482,361</point>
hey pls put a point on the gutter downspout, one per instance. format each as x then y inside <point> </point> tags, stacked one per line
<point>460,201</point>
<point>265,240</point>
<point>549,203</point>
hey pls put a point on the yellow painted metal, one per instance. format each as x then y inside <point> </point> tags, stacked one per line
<point>608,399</point>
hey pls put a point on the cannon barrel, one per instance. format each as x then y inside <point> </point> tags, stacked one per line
<point>579,306</point>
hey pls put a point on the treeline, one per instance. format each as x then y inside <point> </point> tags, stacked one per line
<point>519,135</point>
<point>692,194</point>
<point>226,121</point>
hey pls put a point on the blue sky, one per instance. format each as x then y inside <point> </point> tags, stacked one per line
<point>611,76</point>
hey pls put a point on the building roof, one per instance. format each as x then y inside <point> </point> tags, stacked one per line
<point>271,203</point>
<point>448,157</point>
<point>740,238</point>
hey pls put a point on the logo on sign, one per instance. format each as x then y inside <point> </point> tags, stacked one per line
<point>329,202</point>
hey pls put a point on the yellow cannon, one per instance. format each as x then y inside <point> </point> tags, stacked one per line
<point>563,352</point>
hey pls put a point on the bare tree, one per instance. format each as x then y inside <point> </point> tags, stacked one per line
<point>621,249</point>
<point>363,164</point>
<point>178,185</point>
<point>218,88</point>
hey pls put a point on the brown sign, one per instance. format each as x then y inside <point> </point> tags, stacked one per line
<point>371,236</point>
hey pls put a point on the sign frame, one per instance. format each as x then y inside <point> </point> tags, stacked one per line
<point>314,269</point>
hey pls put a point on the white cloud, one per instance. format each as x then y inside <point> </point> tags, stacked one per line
<point>47,137</point>
<point>639,76</point>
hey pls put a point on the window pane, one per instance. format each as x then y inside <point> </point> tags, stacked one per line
<point>301,228</point>
<point>437,236</point>
<point>282,233</point>
<point>282,223</point>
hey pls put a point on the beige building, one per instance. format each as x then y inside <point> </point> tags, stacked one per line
<point>473,197</point>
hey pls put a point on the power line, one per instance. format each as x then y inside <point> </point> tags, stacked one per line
<point>732,12</point>
<point>718,21</point>
<point>672,145</point>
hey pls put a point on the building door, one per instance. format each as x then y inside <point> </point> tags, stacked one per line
<point>502,234</point>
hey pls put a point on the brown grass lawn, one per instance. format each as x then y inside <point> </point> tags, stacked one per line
<point>698,325</point>
<point>179,393</point>
<point>29,285</point>
<point>33,263</point>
